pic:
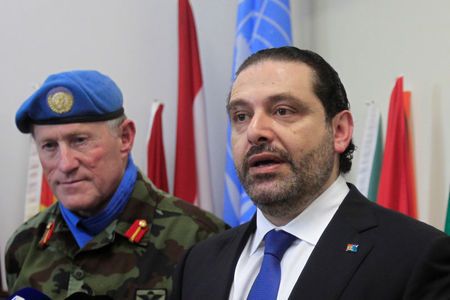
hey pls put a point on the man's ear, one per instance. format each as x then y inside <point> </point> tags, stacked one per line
<point>342,130</point>
<point>127,134</point>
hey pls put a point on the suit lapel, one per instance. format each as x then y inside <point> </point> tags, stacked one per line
<point>227,260</point>
<point>330,265</point>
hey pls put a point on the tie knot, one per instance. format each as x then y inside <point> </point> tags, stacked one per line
<point>277,242</point>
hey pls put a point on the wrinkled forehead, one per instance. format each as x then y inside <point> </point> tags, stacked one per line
<point>49,131</point>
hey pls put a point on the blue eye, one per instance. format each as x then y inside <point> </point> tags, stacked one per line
<point>50,146</point>
<point>79,140</point>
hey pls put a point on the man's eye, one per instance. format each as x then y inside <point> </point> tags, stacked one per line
<point>79,140</point>
<point>49,146</point>
<point>282,111</point>
<point>240,117</point>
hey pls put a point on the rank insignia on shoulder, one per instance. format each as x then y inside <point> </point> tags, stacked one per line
<point>137,231</point>
<point>47,234</point>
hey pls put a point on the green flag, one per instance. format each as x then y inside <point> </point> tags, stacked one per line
<point>447,221</point>
<point>368,174</point>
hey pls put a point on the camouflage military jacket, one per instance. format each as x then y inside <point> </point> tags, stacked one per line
<point>110,264</point>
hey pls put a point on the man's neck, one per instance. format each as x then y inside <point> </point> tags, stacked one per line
<point>288,215</point>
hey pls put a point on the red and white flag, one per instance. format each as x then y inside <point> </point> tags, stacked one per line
<point>156,158</point>
<point>397,189</point>
<point>192,179</point>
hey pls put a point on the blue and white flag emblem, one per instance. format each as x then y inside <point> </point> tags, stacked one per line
<point>261,24</point>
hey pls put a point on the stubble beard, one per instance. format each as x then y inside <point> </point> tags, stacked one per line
<point>287,196</point>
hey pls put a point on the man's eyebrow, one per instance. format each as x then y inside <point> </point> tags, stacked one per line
<point>283,97</point>
<point>274,99</point>
<point>69,135</point>
<point>236,103</point>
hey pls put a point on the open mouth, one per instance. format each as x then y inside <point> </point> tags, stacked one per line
<point>264,160</point>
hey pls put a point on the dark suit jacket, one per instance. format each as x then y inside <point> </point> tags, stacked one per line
<point>390,245</point>
<point>431,280</point>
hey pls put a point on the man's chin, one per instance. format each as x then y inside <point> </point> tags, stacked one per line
<point>263,189</point>
<point>77,204</point>
<point>74,206</point>
<point>266,179</point>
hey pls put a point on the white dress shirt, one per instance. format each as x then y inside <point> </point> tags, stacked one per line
<point>307,227</point>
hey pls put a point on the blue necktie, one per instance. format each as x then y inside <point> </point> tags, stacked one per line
<point>268,280</point>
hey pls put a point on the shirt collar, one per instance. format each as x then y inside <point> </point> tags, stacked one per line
<point>311,223</point>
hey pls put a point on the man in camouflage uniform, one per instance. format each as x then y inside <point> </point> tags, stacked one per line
<point>112,232</point>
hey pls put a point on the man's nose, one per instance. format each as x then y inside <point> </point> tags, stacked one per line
<point>260,129</point>
<point>67,160</point>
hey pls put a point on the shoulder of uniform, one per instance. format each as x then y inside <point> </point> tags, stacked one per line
<point>167,204</point>
<point>192,217</point>
<point>29,229</point>
<point>146,191</point>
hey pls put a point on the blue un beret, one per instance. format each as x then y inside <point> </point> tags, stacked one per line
<point>71,97</point>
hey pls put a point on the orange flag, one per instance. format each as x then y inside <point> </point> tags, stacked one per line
<point>47,197</point>
<point>397,188</point>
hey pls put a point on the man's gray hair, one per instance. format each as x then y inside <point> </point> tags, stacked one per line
<point>115,123</point>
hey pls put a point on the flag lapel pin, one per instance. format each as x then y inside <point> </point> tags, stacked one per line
<point>352,248</point>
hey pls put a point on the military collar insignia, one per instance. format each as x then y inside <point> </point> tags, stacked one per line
<point>60,100</point>
<point>49,228</point>
<point>137,230</point>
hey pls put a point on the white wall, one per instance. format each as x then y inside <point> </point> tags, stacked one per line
<point>135,42</point>
<point>370,43</point>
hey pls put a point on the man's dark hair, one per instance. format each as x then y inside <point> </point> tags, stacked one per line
<point>326,84</point>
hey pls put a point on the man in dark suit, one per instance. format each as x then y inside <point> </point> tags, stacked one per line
<point>314,236</point>
<point>431,279</point>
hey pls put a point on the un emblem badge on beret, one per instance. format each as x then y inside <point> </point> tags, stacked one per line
<point>60,100</point>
